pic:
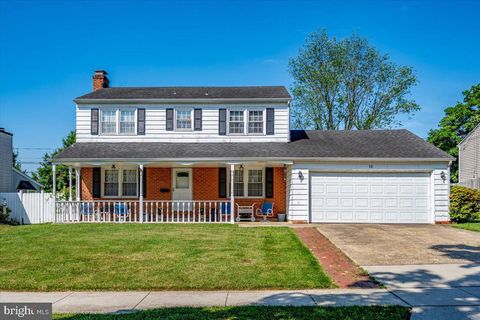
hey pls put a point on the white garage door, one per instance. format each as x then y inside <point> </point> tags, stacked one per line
<point>370,197</point>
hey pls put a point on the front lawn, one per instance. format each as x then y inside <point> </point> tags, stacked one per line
<point>256,312</point>
<point>154,257</point>
<point>472,226</point>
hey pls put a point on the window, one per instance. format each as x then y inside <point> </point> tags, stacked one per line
<point>127,121</point>
<point>129,183</point>
<point>238,183</point>
<point>248,183</point>
<point>109,122</point>
<point>236,122</point>
<point>111,183</point>
<point>255,183</point>
<point>184,119</point>
<point>183,180</point>
<point>255,122</point>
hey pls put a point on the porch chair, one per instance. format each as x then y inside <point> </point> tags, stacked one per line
<point>223,209</point>
<point>266,210</point>
<point>121,210</point>
<point>87,211</point>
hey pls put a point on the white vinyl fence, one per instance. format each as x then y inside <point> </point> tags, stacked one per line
<point>30,207</point>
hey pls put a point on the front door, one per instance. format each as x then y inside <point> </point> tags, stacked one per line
<point>182,184</point>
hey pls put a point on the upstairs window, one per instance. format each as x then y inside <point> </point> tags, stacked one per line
<point>118,121</point>
<point>184,120</point>
<point>236,122</point>
<point>109,122</point>
<point>127,121</point>
<point>255,122</point>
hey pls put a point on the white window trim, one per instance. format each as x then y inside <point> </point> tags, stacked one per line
<point>120,182</point>
<point>245,182</point>
<point>245,121</point>
<point>192,120</point>
<point>117,119</point>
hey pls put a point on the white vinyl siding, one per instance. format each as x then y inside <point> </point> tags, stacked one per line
<point>155,124</point>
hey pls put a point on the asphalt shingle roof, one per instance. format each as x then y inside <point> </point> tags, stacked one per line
<point>265,92</point>
<point>304,144</point>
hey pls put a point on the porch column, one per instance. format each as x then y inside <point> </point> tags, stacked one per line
<point>54,189</point>
<point>70,184</point>
<point>140,197</point>
<point>232,198</point>
<point>77,184</point>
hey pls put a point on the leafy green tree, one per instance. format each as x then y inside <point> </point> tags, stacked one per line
<point>16,163</point>
<point>348,84</point>
<point>44,173</point>
<point>458,121</point>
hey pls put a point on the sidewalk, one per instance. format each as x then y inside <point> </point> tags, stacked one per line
<point>106,302</point>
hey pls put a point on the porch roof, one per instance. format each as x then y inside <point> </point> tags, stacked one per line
<point>388,145</point>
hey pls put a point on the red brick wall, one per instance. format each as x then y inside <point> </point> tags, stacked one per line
<point>159,178</point>
<point>86,183</point>
<point>205,186</point>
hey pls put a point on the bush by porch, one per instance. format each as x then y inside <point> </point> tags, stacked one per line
<point>154,257</point>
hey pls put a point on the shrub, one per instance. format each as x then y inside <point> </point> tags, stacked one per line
<point>4,214</point>
<point>464,204</point>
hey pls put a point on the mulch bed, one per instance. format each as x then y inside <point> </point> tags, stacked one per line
<point>336,264</point>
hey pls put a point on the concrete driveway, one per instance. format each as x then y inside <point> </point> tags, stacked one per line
<point>375,244</point>
<point>434,269</point>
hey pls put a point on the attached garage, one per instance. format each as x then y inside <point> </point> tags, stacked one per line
<point>399,197</point>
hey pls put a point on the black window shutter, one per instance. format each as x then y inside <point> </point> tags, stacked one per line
<point>222,182</point>
<point>169,119</point>
<point>144,184</point>
<point>96,182</point>
<point>222,122</point>
<point>268,182</point>
<point>94,122</point>
<point>197,116</point>
<point>141,121</point>
<point>270,121</point>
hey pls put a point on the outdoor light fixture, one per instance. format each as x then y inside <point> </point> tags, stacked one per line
<point>113,166</point>
<point>443,176</point>
<point>241,168</point>
<point>300,176</point>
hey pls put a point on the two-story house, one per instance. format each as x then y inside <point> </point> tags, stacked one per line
<point>469,159</point>
<point>189,154</point>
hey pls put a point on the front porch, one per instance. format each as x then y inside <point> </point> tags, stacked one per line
<point>174,193</point>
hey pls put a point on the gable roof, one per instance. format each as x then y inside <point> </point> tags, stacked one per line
<point>470,134</point>
<point>178,93</point>
<point>316,145</point>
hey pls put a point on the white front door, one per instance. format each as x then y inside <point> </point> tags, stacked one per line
<point>182,184</point>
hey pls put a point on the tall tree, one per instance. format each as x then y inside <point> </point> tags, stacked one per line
<point>348,84</point>
<point>44,173</point>
<point>458,121</point>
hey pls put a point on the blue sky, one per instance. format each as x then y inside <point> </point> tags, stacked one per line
<point>48,51</point>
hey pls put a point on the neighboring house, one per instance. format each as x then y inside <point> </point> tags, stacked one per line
<point>11,179</point>
<point>155,148</point>
<point>469,159</point>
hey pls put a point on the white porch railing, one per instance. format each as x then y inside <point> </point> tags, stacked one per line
<point>126,211</point>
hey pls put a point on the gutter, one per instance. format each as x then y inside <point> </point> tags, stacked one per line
<point>196,100</point>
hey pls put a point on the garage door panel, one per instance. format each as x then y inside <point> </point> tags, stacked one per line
<point>370,197</point>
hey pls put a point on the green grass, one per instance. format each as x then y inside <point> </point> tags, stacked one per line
<point>472,226</point>
<point>257,312</point>
<point>154,257</point>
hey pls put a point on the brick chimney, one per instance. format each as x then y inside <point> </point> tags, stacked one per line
<point>100,80</point>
